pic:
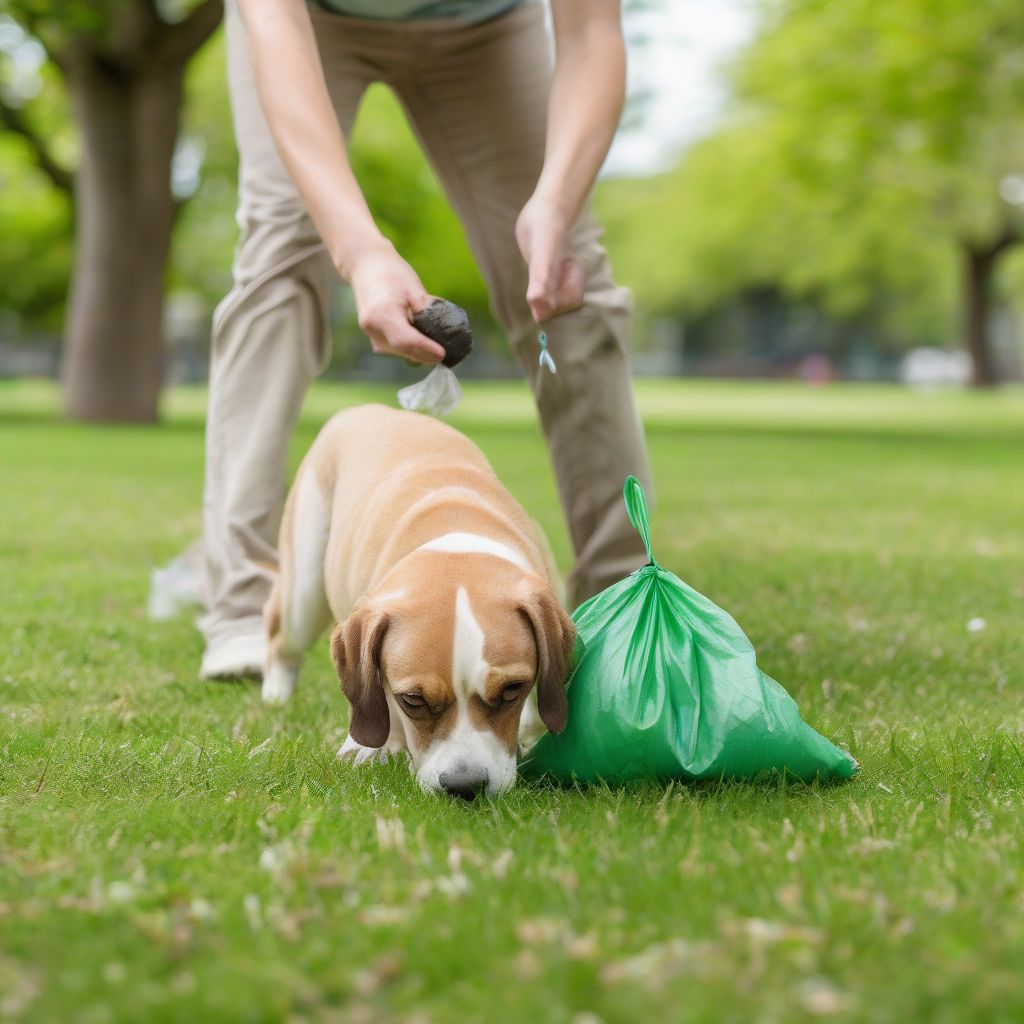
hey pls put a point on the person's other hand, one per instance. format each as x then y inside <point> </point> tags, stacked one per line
<point>556,277</point>
<point>388,292</point>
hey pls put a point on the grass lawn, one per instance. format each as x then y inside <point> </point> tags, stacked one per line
<point>175,851</point>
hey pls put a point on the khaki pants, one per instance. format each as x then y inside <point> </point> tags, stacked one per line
<point>476,97</point>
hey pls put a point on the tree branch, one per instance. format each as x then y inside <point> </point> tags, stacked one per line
<point>15,121</point>
<point>178,42</point>
<point>132,28</point>
<point>1009,238</point>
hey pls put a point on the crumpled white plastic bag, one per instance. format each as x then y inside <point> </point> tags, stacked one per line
<point>438,394</point>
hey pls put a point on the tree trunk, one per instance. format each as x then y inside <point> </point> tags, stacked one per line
<point>128,125</point>
<point>978,266</point>
<point>979,273</point>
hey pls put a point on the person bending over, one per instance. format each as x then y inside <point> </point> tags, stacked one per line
<point>516,140</point>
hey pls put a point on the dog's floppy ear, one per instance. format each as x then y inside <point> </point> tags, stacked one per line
<point>555,635</point>
<point>355,648</point>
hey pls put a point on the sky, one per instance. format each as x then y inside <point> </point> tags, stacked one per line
<point>677,65</point>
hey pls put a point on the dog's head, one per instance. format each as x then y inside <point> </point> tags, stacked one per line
<point>453,665</point>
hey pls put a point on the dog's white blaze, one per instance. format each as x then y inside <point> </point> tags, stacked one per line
<point>469,666</point>
<point>466,746</point>
<point>477,544</point>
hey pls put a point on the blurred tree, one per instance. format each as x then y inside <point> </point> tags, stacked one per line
<point>35,242</point>
<point>734,218</point>
<point>123,65</point>
<point>872,160</point>
<point>35,213</point>
<point>36,217</point>
<point>916,103</point>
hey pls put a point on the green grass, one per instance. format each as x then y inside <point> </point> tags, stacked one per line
<point>172,850</point>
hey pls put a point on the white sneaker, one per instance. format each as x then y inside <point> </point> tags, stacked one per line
<point>235,657</point>
<point>178,585</point>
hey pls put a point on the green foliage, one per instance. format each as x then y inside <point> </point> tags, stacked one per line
<point>919,98</point>
<point>35,240</point>
<point>55,21</point>
<point>865,144</point>
<point>177,851</point>
<point>35,215</point>
<point>734,217</point>
<point>109,24</point>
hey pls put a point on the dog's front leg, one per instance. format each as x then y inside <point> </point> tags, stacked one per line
<point>531,728</point>
<point>279,680</point>
<point>355,752</point>
<point>297,612</point>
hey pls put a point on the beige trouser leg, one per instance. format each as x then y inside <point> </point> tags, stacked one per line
<point>270,339</point>
<point>477,99</point>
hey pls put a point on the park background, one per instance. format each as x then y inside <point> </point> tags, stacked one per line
<point>803,189</point>
<point>798,189</point>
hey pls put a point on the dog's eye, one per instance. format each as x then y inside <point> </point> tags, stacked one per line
<point>412,700</point>
<point>511,693</point>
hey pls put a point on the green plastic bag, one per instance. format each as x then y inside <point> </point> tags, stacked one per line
<point>668,687</point>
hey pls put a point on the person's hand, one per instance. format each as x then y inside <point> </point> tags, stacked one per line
<point>387,293</point>
<point>556,277</point>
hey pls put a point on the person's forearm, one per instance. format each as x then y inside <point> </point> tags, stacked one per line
<point>587,95</point>
<point>296,104</point>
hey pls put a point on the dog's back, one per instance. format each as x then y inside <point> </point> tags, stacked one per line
<point>398,480</point>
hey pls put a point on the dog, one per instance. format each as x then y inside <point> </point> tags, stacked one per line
<point>449,639</point>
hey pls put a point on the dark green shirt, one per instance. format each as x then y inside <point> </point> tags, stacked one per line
<point>468,12</point>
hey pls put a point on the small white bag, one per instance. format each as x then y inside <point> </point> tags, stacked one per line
<point>437,394</point>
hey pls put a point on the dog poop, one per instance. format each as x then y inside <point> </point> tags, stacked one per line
<point>447,324</point>
<point>438,393</point>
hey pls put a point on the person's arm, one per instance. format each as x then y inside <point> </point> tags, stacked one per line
<point>293,94</point>
<point>587,94</point>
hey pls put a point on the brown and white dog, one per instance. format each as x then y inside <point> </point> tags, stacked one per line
<point>449,638</point>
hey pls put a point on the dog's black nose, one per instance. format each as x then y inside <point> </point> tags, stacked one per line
<point>463,781</point>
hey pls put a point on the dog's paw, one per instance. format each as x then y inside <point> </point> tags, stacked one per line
<point>358,754</point>
<point>279,683</point>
